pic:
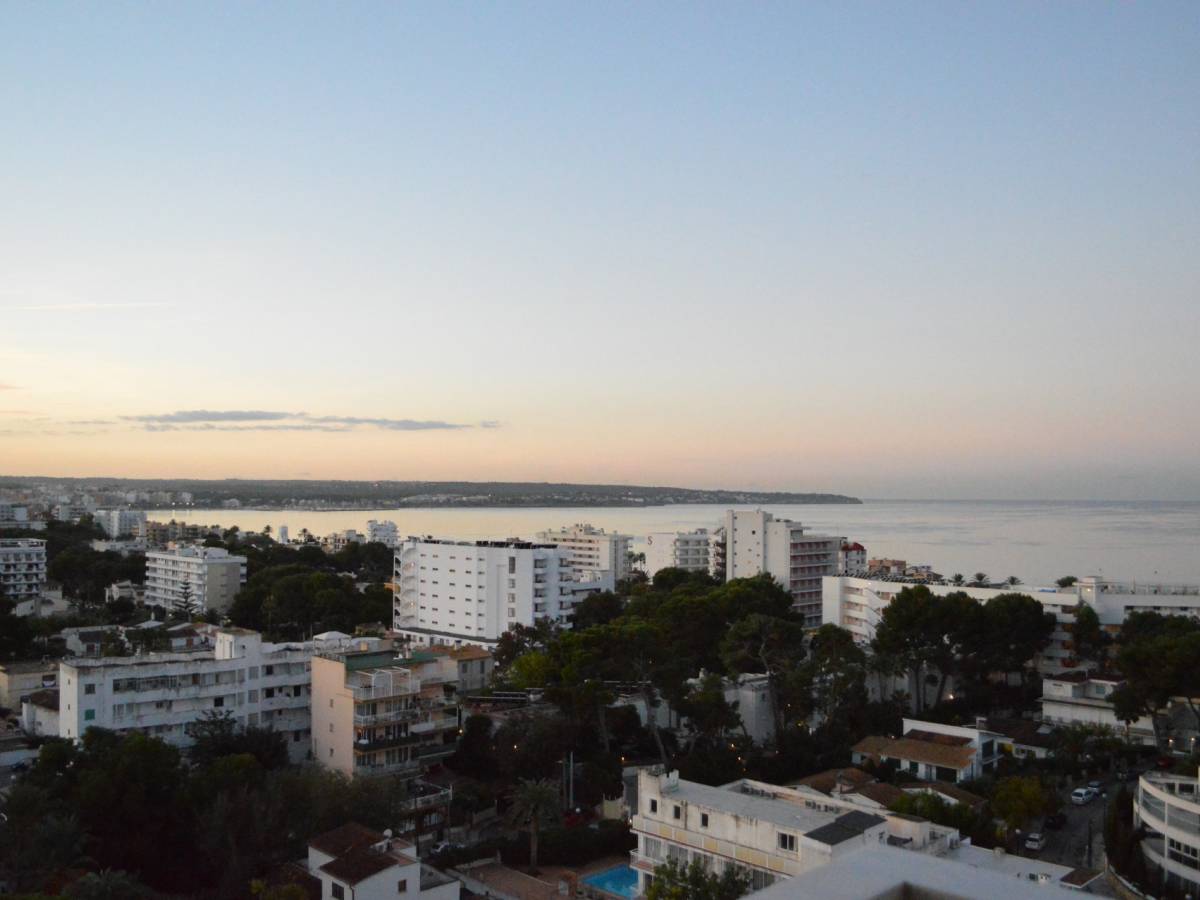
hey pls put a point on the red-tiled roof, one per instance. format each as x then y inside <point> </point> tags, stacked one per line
<point>359,865</point>
<point>343,840</point>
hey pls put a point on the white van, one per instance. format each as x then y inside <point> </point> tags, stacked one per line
<point>1082,795</point>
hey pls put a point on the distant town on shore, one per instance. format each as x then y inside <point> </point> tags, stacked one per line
<point>317,494</point>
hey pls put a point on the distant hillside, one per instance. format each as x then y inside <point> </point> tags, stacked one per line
<point>381,494</point>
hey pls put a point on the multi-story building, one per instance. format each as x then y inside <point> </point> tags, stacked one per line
<point>852,559</point>
<point>772,832</point>
<point>716,554</point>
<point>1080,698</point>
<point>160,534</point>
<point>22,569</point>
<point>355,863</point>
<point>857,604</point>
<point>1168,807</point>
<point>332,543</point>
<point>13,516</point>
<point>162,694</point>
<point>121,522</point>
<point>471,592</point>
<point>757,542</point>
<point>211,576</point>
<point>595,555</point>
<point>382,713</point>
<point>687,550</point>
<point>382,533</point>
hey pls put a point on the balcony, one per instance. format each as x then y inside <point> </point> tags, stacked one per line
<point>371,744</point>
<point>406,714</point>
<point>408,767</point>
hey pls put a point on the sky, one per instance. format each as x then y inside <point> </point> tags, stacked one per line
<point>917,250</point>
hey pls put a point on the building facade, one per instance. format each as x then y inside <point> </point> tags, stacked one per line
<point>772,832</point>
<point>687,550</point>
<point>121,522</point>
<point>471,592</point>
<point>162,694</point>
<point>13,516</point>
<point>931,751</point>
<point>210,576</point>
<point>594,555</point>
<point>382,533</point>
<point>355,863</point>
<point>22,568</point>
<point>1168,807</point>
<point>757,542</point>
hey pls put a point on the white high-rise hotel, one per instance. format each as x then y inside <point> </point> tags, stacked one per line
<point>471,592</point>
<point>22,568</point>
<point>757,542</point>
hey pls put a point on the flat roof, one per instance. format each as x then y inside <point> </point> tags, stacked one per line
<point>735,799</point>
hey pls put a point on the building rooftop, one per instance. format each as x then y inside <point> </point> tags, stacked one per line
<point>359,865</point>
<point>22,666</point>
<point>953,791</point>
<point>929,752</point>
<point>845,827</point>
<point>345,838</point>
<point>47,699</point>
<point>743,799</point>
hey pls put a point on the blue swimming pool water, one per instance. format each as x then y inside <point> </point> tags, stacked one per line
<point>621,880</point>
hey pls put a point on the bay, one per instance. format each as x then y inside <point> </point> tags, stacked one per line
<point>1038,541</point>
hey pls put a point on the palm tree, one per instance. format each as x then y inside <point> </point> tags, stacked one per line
<point>534,802</point>
<point>980,579</point>
<point>1012,581</point>
<point>957,578</point>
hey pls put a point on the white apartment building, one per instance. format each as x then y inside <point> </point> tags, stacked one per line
<point>382,533</point>
<point>161,694</point>
<point>22,569</point>
<point>471,592</point>
<point>1168,807</point>
<point>336,541</point>
<point>857,603</point>
<point>119,522</point>
<point>1077,698</point>
<point>13,516</point>
<point>212,576</point>
<point>773,832</point>
<point>757,542</point>
<point>687,550</point>
<point>595,555</point>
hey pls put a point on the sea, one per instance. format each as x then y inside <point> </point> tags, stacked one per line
<point>1037,541</point>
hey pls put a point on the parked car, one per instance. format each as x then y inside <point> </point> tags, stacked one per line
<point>1035,841</point>
<point>1082,796</point>
<point>1054,821</point>
<point>1096,786</point>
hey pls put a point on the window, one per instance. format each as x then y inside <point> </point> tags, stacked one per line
<point>89,689</point>
<point>677,812</point>
<point>218,701</point>
<point>402,887</point>
<point>339,892</point>
<point>703,820</point>
<point>787,841</point>
<point>268,670</point>
<point>653,805</point>
<point>512,613</point>
<point>89,715</point>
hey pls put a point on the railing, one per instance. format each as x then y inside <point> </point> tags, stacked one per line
<point>399,768</point>
<point>371,744</point>
<point>395,715</point>
<point>434,798</point>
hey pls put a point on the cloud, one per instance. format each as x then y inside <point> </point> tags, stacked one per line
<point>9,387</point>
<point>489,423</point>
<point>84,307</point>
<point>212,415</point>
<point>209,420</point>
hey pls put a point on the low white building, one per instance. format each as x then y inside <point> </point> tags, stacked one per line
<point>382,533</point>
<point>355,863</point>
<point>162,694</point>
<point>471,592</point>
<point>687,550</point>
<point>595,555</point>
<point>1168,807</point>
<point>852,559</point>
<point>39,714</point>
<point>22,569</point>
<point>932,751</point>
<point>211,576</point>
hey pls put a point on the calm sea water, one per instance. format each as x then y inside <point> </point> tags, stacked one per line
<point>1036,541</point>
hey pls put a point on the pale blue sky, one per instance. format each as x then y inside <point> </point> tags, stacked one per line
<point>927,249</point>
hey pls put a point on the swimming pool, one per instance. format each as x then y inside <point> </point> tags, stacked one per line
<point>620,880</point>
